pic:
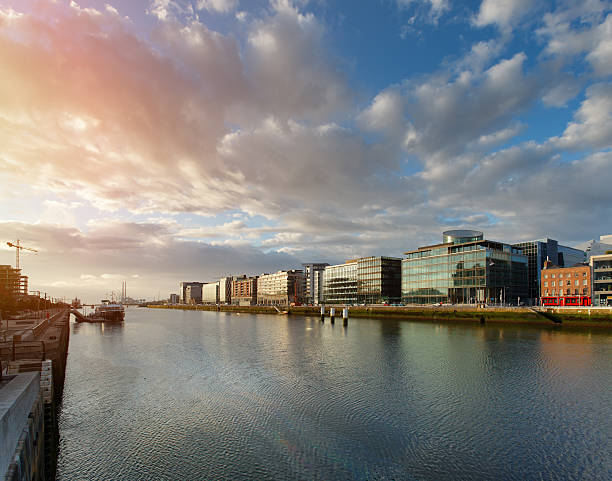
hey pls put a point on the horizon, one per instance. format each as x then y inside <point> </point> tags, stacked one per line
<point>160,141</point>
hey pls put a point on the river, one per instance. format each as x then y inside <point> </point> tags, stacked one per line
<point>190,395</point>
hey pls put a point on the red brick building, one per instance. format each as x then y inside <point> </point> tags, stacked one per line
<point>244,291</point>
<point>566,282</point>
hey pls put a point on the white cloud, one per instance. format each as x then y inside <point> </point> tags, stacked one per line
<point>433,8</point>
<point>504,13</point>
<point>579,29</point>
<point>592,127</point>
<point>221,6</point>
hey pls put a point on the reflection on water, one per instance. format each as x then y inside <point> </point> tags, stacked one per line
<point>207,395</point>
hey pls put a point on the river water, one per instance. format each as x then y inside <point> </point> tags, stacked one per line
<point>191,395</point>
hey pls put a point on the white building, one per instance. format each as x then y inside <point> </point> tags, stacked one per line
<point>313,275</point>
<point>210,293</point>
<point>225,290</point>
<point>281,288</point>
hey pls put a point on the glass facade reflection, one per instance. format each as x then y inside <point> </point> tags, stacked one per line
<point>340,283</point>
<point>473,272</point>
<point>379,280</point>
<point>368,280</point>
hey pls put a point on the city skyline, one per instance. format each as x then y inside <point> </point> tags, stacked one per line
<point>158,141</point>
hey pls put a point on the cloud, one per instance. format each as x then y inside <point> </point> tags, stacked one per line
<point>432,9</point>
<point>221,6</point>
<point>196,153</point>
<point>503,13</point>
<point>447,114</point>
<point>592,125</point>
<point>145,255</point>
<point>583,28</point>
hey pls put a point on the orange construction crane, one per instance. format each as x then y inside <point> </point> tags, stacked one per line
<point>19,247</point>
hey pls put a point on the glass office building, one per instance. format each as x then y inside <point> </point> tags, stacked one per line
<point>379,280</point>
<point>464,269</point>
<point>340,283</point>
<point>368,280</point>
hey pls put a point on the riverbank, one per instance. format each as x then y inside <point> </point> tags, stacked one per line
<point>583,317</point>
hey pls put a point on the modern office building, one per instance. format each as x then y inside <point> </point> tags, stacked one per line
<point>313,275</point>
<point>379,280</point>
<point>340,283</point>
<point>560,282</point>
<point>193,293</point>
<point>465,268</point>
<point>281,288</point>
<point>244,291</point>
<point>537,251</point>
<point>174,299</point>
<point>183,290</point>
<point>367,280</point>
<point>602,279</point>
<point>12,284</point>
<point>210,293</point>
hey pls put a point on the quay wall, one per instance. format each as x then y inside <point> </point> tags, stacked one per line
<point>41,351</point>
<point>22,427</point>
<point>582,317</point>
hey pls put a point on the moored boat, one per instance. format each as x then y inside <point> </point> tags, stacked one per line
<point>108,311</point>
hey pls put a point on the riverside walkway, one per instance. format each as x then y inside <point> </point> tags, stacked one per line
<point>33,352</point>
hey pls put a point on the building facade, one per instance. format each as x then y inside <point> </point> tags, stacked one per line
<point>340,283</point>
<point>537,251</point>
<point>464,269</point>
<point>602,279</point>
<point>174,299</point>
<point>183,290</point>
<point>312,282</point>
<point>560,282</point>
<point>210,293</point>
<point>379,280</point>
<point>193,293</point>
<point>225,290</point>
<point>244,291</point>
<point>367,280</point>
<point>281,288</point>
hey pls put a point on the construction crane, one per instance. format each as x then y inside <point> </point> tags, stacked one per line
<point>19,247</point>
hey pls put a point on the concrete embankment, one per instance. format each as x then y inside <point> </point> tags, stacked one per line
<point>33,353</point>
<point>584,317</point>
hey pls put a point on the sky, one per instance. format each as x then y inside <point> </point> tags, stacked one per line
<point>159,141</point>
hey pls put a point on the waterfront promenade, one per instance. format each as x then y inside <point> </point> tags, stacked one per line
<point>33,353</point>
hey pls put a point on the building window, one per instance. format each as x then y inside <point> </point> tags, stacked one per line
<point>576,282</point>
<point>584,283</point>
<point>552,276</point>
<point>560,276</point>
<point>553,284</point>
<point>545,276</point>
<point>584,274</point>
<point>568,283</point>
<point>545,283</point>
